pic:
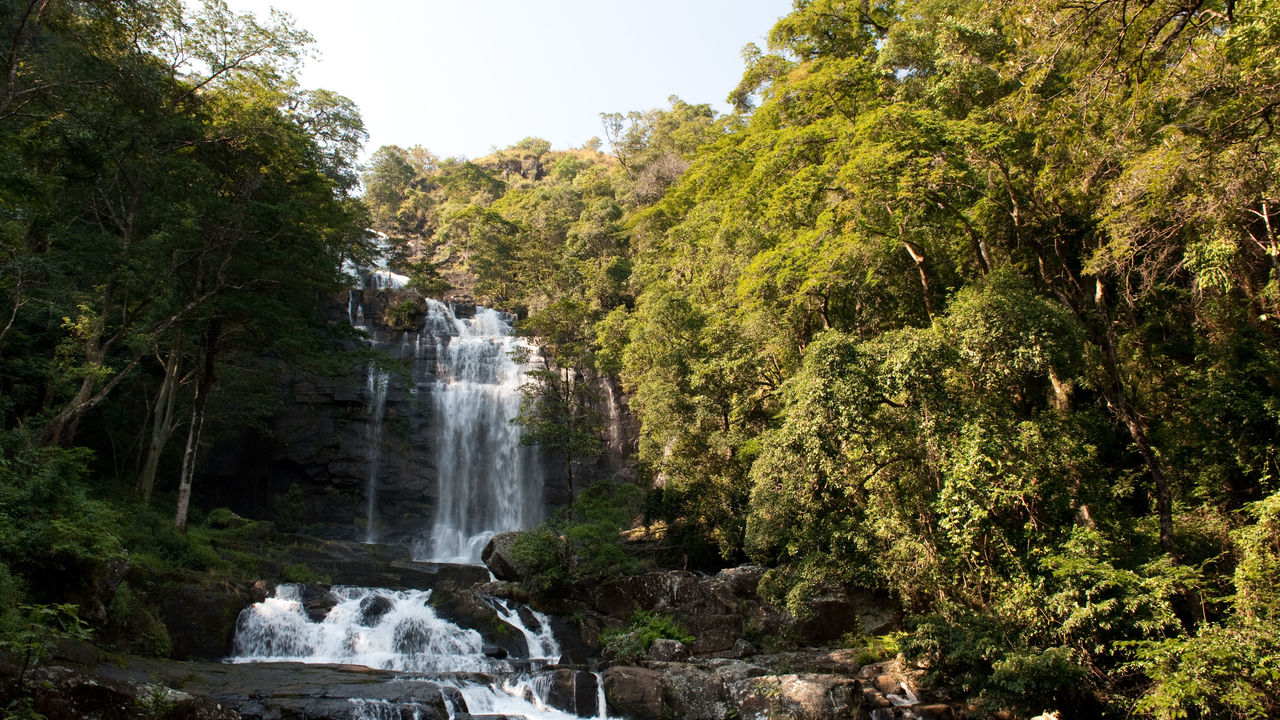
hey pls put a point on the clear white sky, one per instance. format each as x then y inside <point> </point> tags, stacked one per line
<point>460,77</point>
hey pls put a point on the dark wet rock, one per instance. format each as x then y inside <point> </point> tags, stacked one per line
<point>60,693</point>
<point>464,607</point>
<point>317,601</point>
<point>76,652</point>
<point>292,691</point>
<point>201,619</point>
<point>574,692</point>
<point>373,608</point>
<point>529,620</point>
<point>497,557</point>
<point>495,652</point>
<point>829,617</point>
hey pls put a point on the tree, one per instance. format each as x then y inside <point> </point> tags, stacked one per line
<point>559,411</point>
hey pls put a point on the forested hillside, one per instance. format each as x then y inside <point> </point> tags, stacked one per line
<point>974,304</point>
<point>173,210</point>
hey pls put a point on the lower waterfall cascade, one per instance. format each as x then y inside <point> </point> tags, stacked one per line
<point>399,630</point>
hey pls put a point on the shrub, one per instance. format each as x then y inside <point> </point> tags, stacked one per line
<point>628,644</point>
<point>585,547</point>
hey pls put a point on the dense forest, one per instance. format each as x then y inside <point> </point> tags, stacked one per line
<point>975,304</point>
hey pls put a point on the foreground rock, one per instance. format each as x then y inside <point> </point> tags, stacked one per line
<point>290,691</point>
<point>59,693</point>
<point>729,688</point>
<point>803,685</point>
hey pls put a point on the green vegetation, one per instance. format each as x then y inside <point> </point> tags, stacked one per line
<point>173,211</point>
<point>973,303</point>
<point>632,642</point>
<point>582,543</point>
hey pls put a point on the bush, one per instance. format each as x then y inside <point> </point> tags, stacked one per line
<point>539,556</point>
<point>51,533</point>
<point>630,643</point>
<point>1221,672</point>
<point>134,627</point>
<point>585,547</point>
<point>1232,669</point>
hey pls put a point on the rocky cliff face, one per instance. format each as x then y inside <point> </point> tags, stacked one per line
<point>311,470</point>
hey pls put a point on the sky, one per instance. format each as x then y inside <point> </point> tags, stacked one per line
<point>461,77</point>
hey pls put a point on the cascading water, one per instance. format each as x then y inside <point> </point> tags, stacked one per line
<point>465,375</point>
<point>488,482</point>
<point>399,630</point>
<point>375,407</point>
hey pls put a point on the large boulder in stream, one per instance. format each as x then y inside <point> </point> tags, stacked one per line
<point>497,557</point>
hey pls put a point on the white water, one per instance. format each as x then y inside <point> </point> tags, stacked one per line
<point>487,481</point>
<point>375,406</point>
<point>407,636</point>
<point>399,630</point>
<point>540,640</point>
<point>363,709</point>
<point>524,696</point>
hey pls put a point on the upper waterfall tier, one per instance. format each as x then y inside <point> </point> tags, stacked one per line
<point>487,482</point>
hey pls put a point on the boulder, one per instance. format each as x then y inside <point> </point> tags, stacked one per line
<point>201,620</point>
<point>635,692</point>
<point>692,693</point>
<point>317,601</point>
<point>668,650</point>
<point>497,557</point>
<point>829,617</point>
<point>800,697</point>
<point>574,692</point>
<point>372,609</point>
<point>464,607</point>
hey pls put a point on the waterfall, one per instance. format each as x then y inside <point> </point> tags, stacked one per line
<point>374,627</point>
<point>488,482</point>
<point>399,630</point>
<point>539,638</point>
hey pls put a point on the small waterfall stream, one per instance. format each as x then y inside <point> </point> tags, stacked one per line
<point>375,407</point>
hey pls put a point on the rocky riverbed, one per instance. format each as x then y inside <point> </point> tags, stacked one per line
<point>745,658</point>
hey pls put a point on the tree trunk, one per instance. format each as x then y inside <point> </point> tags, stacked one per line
<point>201,400</point>
<point>161,427</point>
<point>1061,392</point>
<point>1118,399</point>
<point>919,259</point>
